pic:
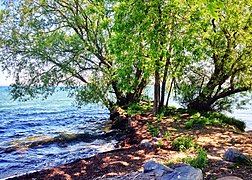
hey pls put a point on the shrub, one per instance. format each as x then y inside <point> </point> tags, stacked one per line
<point>139,108</point>
<point>160,116</point>
<point>183,143</point>
<point>170,111</point>
<point>200,161</point>
<point>213,119</point>
<point>201,122</point>
<point>227,120</point>
<point>154,130</point>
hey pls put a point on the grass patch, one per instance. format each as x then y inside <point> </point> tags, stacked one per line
<point>199,161</point>
<point>198,121</point>
<point>227,120</point>
<point>153,129</point>
<point>167,135</point>
<point>213,119</point>
<point>160,144</point>
<point>183,143</point>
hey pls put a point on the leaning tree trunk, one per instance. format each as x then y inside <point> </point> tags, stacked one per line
<point>205,103</point>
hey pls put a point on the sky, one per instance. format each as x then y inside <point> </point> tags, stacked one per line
<point>4,80</point>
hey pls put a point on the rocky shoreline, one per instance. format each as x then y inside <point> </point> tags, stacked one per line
<point>139,147</point>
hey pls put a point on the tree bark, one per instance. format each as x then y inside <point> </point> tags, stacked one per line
<point>157,87</point>
<point>205,103</point>
<point>169,93</point>
<point>167,63</point>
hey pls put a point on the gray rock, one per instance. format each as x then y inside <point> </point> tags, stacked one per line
<point>145,143</point>
<point>236,156</point>
<point>184,172</point>
<point>229,178</point>
<point>131,176</point>
<point>153,165</point>
<point>156,171</point>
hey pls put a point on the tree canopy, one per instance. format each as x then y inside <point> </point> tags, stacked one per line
<point>108,51</point>
<point>224,41</point>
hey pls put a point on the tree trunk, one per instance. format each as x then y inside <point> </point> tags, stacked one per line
<point>167,63</point>
<point>169,93</point>
<point>157,88</point>
<point>124,100</point>
<point>200,106</point>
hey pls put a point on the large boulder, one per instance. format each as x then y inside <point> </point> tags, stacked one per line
<point>184,172</point>
<point>158,169</point>
<point>180,172</point>
<point>233,155</point>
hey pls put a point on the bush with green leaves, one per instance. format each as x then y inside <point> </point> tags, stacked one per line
<point>198,121</point>
<point>160,116</point>
<point>226,120</point>
<point>183,143</point>
<point>153,129</point>
<point>199,161</point>
<point>139,108</point>
<point>213,119</point>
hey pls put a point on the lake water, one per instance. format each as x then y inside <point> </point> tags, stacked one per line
<point>40,134</point>
<point>23,124</point>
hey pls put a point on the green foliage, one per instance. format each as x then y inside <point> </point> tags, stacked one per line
<point>111,49</point>
<point>46,43</point>
<point>153,129</point>
<point>167,135</point>
<point>222,55</point>
<point>183,143</point>
<point>198,121</point>
<point>200,161</point>
<point>177,112</point>
<point>170,111</point>
<point>213,119</point>
<point>227,120</point>
<point>139,108</point>
<point>160,143</point>
<point>160,116</point>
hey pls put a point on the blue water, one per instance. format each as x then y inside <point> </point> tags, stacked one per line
<point>244,115</point>
<point>22,123</point>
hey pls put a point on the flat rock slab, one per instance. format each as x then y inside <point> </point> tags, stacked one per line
<point>229,178</point>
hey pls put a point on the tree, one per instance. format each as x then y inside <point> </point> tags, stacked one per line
<point>107,51</point>
<point>152,31</point>
<point>222,63</point>
<point>47,43</point>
